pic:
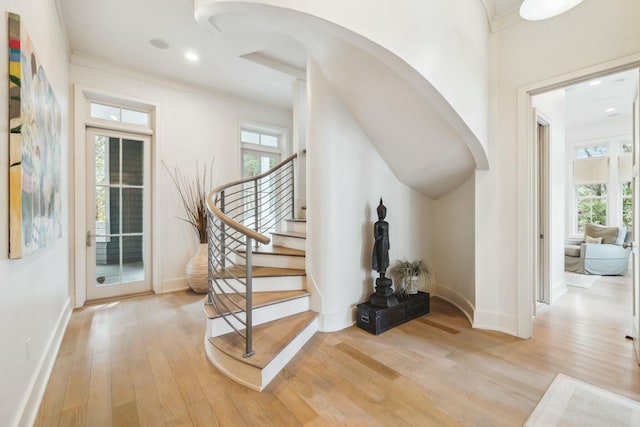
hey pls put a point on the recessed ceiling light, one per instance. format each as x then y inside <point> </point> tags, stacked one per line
<point>595,82</point>
<point>609,110</point>
<point>191,56</point>
<point>159,43</point>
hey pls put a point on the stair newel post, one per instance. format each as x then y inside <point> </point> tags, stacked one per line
<point>249,301</point>
<point>223,246</point>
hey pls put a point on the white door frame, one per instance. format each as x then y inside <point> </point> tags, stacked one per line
<point>526,175</point>
<point>82,96</point>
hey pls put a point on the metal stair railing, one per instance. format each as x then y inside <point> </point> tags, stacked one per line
<point>239,215</point>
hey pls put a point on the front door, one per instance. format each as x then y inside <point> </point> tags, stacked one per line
<point>118,215</point>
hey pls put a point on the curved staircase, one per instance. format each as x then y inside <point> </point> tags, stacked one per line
<point>258,306</point>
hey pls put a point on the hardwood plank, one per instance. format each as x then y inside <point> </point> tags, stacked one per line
<point>150,350</point>
<point>125,415</point>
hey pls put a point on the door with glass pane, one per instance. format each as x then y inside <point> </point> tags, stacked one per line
<point>256,163</point>
<point>118,216</point>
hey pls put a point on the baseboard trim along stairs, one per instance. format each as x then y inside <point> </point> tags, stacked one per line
<point>282,319</point>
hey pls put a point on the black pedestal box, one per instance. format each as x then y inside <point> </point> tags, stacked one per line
<point>377,319</point>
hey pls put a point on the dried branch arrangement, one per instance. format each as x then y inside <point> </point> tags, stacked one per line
<point>193,194</point>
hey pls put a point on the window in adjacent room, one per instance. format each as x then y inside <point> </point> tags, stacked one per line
<point>591,202</point>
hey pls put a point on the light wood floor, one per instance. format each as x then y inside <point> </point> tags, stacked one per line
<point>141,362</point>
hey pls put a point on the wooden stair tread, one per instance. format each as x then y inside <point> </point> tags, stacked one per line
<point>260,299</point>
<point>277,250</point>
<point>229,273</point>
<point>294,234</point>
<point>269,339</point>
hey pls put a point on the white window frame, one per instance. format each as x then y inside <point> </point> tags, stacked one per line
<point>257,149</point>
<point>614,184</point>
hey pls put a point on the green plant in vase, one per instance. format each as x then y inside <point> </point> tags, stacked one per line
<point>406,275</point>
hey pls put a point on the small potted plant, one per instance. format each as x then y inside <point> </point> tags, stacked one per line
<point>406,275</point>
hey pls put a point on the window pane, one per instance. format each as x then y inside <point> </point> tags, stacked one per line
<point>114,210</point>
<point>269,140</point>
<point>135,117</point>
<point>132,162</point>
<point>595,151</point>
<point>101,144</point>
<point>592,190</point>
<point>108,262</point>
<point>627,147</point>
<point>114,160</point>
<point>105,112</point>
<point>250,137</point>
<point>101,210</point>
<point>132,261</point>
<point>132,208</point>
<point>250,165</point>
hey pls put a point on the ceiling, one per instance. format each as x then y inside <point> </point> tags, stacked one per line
<point>260,66</point>
<point>599,99</point>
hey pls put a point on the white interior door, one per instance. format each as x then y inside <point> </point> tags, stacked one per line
<point>118,214</point>
<point>635,253</point>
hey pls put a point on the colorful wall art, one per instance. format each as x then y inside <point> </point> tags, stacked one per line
<point>35,203</point>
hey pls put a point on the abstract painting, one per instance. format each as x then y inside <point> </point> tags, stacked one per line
<point>35,204</point>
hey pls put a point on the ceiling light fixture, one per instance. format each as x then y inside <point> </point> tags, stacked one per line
<point>610,110</point>
<point>595,82</point>
<point>537,10</point>
<point>191,56</point>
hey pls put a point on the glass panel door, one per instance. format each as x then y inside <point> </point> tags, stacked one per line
<point>117,214</point>
<point>255,163</point>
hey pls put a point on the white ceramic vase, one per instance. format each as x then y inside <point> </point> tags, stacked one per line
<point>198,270</point>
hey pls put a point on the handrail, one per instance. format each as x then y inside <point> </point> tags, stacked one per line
<point>239,214</point>
<point>235,224</point>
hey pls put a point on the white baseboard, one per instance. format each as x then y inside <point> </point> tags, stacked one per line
<point>558,290</point>
<point>337,320</point>
<point>495,321</point>
<point>173,285</point>
<point>38,385</point>
<point>455,298</point>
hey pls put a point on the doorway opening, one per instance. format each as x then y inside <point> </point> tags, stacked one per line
<point>586,171</point>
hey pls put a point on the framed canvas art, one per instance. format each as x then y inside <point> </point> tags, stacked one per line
<point>34,149</point>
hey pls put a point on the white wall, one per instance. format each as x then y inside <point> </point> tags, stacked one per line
<point>193,125</point>
<point>34,290</point>
<point>454,249</point>
<point>346,178</point>
<point>524,55</point>
<point>551,106</point>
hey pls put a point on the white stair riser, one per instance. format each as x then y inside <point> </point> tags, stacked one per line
<point>297,226</point>
<point>218,326</point>
<point>289,242</point>
<point>277,261</point>
<point>280,361</point>
<point>267,284</point>
<point>250,376</point>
